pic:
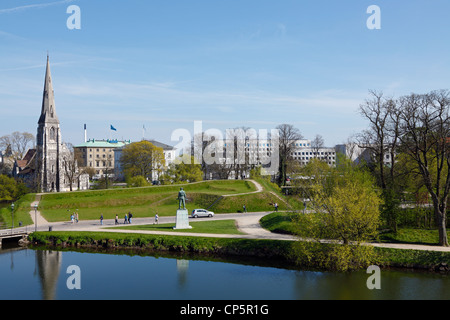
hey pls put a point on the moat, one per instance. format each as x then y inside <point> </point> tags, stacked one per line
<point>45,274</point>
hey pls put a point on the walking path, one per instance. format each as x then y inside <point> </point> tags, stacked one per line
<point>247,223</point>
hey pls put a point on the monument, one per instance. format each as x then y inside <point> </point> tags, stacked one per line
<point>182,220</point>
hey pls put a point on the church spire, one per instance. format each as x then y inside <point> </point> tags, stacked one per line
<point>48,113</point>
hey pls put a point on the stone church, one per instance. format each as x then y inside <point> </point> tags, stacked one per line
<point>51,166</point>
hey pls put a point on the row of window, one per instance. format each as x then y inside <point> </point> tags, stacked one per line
<point>312,153</point>
<point>100,162</point>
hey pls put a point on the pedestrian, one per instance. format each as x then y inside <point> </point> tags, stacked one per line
<point>245,208</point>
<point>129,217</point>
<point>101,219</point>
<point>117,219</point>
<point>156,218</point>
<point>126,219</point>
<point>71,218</point>
<point>76,216</point>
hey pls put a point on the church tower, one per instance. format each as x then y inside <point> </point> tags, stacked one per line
<point>48,141</point>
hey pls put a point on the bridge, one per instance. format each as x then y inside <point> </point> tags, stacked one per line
<point>8,235</point>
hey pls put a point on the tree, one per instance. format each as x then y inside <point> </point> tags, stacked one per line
<point>344,199</point>
<point>10,189</point>
<point>424,131</point>
<point>142,159</point>
<point>70,165</point>
<point>345,205</point>
<point>381,139</point>
<point>17,143</point>
<point>316,144</point>
<point>179,171</point>
<point>288,134</point>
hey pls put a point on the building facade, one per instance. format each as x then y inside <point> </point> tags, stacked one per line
<point>99,155</point>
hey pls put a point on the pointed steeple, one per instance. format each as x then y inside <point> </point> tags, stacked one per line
<point>48,113</point>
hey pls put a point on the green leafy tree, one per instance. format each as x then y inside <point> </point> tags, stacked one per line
<point>345,207</point>
<point>183,171</point>
<point>10,189</point>
<point>142,159</point>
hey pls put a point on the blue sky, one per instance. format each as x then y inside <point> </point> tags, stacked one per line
<point>253,63</point>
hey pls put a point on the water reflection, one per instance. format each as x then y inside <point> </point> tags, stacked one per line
<point>41,274</point>
<point>49,266</point>
<point>182,268</point>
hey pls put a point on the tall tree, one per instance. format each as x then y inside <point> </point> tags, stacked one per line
<point>288,134</point>
<point>381,140</point>
<point>424,127</point>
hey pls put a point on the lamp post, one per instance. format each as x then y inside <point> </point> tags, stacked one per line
<point>35,217</point>
<point>12,213</point>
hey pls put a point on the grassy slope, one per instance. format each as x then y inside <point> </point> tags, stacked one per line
<point>145,202</point>
<point>21,212</point>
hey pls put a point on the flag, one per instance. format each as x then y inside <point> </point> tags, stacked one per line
<point>112,128</point>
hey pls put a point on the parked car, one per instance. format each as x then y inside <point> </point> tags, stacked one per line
<point>196,213</point>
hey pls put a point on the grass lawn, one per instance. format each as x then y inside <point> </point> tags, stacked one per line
<point>142,202</point>
<point>412,236</point>
<point>21,212</point>
<point>146,201</point>
<point>214,227</point>
<point>281,222</point>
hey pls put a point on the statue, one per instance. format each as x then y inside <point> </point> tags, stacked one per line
<point>181,198</point>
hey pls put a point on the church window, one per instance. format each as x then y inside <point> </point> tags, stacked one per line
<point>51,111</point>
<point>52,134</point>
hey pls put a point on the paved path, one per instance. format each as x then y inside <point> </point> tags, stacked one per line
<point>247,223</point>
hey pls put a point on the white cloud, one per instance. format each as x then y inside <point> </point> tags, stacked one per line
<point>33,6</point>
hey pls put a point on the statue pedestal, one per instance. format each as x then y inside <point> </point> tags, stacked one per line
<point>182,221</point>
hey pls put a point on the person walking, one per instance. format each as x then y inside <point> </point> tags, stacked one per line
<point>76,216</point>
<point>156,218</point>
<point>101,219</point>
<point>126,219</point>
<point>117,219</point>
<point>129,217</point>
<point>245,208</point>
<point>276,207</point>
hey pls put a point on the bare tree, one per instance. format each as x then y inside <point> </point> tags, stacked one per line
<point>376,138</point>
<point>316,144</point>
<point>70,165</point>
<point>288,134</point>
<point>424,131</point>
<point>17,143</point>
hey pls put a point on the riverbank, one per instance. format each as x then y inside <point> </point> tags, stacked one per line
<point>276,250</point>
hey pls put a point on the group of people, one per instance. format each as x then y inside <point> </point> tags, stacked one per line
<point>74,217</point>
<point>127,219</point>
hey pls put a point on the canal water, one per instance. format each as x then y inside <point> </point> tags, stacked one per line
<point>69,275</point>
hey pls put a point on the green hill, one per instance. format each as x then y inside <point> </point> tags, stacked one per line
<point>146,201</point>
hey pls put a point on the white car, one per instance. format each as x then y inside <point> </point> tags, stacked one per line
<point>201,213</point>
